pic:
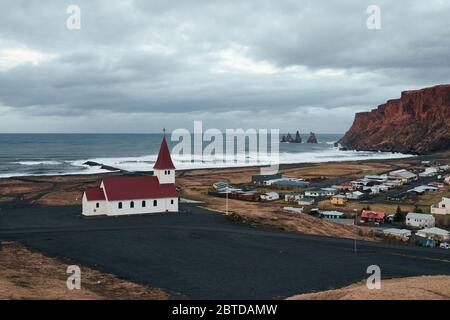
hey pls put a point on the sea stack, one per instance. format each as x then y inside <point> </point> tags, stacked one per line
<point>298,139</point>
<point>312,138</point>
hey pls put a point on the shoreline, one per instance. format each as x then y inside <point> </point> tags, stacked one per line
<point>101,165</point>
<point>114,170</point>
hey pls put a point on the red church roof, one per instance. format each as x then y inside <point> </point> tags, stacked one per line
<point>95,194</point>
<point>164,160</point>
<point>132,188</point>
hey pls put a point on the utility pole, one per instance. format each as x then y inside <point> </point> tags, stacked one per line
<point>226,202</point>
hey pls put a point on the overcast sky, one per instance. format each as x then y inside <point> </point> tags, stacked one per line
<point>136,66</point>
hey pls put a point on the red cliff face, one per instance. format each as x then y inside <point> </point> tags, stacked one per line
<point>418,122</point>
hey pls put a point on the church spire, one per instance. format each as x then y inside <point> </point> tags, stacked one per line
<point>164,160</point>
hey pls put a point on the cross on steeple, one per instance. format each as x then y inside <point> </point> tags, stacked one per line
<point>164,131</point>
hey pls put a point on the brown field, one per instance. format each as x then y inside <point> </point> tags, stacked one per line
<point>25,274</point>
<point>412,288</point>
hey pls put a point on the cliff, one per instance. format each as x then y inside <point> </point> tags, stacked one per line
<point>418,123</point>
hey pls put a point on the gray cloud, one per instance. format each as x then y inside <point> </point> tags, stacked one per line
<point>137,64</point>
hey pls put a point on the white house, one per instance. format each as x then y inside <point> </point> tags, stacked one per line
<point>270,196</point>
<point>331,214</point>
<point>434,234</point>
<point>431,171</point>
<point>293,209</point>
<point>401,233</point>
<point>377,178</point>
<point>320,192</point>
<point>292,197</point>
<point>354,195</point>
<point>420,220</point>
<point>133,194</point>
<point>306,201</point>
<point>404,175</point>
<point>423,188</point>
<point>442,208</point>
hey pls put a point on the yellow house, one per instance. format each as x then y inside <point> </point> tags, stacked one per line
<point>338,200</point>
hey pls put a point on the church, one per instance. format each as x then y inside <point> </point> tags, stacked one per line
<point>129,195</point>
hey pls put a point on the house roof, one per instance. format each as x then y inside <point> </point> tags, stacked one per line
<point>436,231</point>
<point>397,231</point>
<point>332,213</point>
<point>95,194</point>
<point>373,214</point>
<point>131,188</point>
<point>345,184</point>
<point>413,215</point>
<point>164,161</point>
<point>403,173</point>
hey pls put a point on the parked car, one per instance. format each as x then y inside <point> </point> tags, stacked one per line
<point>444,245</point>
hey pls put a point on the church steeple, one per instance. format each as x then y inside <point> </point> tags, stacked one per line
<point>164,168</point>
<point>164,160</point>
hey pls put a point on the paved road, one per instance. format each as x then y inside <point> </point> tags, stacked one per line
<point>200,254</point>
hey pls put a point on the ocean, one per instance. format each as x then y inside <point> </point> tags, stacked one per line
<point>62,154</point>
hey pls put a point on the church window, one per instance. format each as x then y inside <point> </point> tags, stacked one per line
<point>155,203</point>
<point>144,204</point>
<point>132,204</point>
<point>120,205</point>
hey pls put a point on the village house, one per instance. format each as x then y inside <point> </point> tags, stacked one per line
<point>293,209</point>
<point>420,220</point>
<point>443,207</point>
<point>331,214</point>
<point>434,233</point>
<point>135,195</point>
<point>260,179</point>
<point>292,197</point>
<point>287,183</point>
<point>306,201</point>
<point>359,183</point>
<point>320,192</point>
<point>437,184</point>
<point>372,216</point>
<point>376,178</point>
<point>404,175</point>
<point>429,172</point>
<point>400,233</point>
<point>344,186</point>
<point>422,189</point>
<point>338,200</point>
<point>355,195</point>
<point>270,196</point>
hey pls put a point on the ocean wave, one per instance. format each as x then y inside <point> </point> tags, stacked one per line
<point>38,163</point>
<point>182,162</point>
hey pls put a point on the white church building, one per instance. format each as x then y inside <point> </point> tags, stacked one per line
<point>135,195</point>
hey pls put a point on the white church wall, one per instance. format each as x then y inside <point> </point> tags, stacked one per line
<point>165,176</point>
<point>90,207</point>
<point>162,205</point>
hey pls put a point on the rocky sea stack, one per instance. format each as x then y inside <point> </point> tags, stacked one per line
<point>288,138</point>
<point>312,138</point>
<point>417,123</point>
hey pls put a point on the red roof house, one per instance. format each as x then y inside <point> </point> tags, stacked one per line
<point>373,216</point>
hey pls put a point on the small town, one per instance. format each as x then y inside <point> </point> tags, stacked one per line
<point>351,201</point>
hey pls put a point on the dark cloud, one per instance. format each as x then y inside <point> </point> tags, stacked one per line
<point>135,64</point>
